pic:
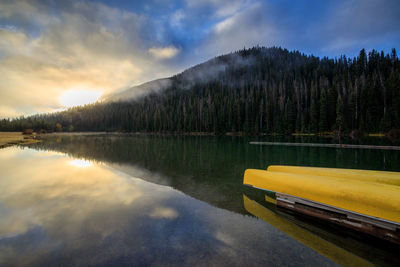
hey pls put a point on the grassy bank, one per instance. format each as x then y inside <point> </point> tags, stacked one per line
<point>14,138</point>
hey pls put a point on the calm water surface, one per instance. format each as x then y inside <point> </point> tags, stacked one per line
<point>143,200</point>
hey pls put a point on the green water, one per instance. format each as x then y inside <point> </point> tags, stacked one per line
<point>164,200</point>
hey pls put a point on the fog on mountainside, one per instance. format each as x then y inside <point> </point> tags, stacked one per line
<point>197,75</point>
<point>140,90</point>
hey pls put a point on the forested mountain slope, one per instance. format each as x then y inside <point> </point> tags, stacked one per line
<point>138,91</point>
<point>257,90</point>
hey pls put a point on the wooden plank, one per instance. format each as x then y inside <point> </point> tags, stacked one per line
<point>326,145</point>
<point>377,227</point>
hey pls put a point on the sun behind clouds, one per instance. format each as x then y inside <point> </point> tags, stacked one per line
<point>76,97</point>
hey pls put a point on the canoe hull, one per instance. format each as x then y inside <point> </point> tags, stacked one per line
<point>368,206</point>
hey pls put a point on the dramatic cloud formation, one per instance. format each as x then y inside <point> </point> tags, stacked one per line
<point>49,48</point>
<point>357,24</point>
<point>83,47</point>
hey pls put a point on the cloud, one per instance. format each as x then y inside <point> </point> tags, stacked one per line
<point>249,27</point>
<point>177,17</point>
<point>164,52</point>
<point>84,46</point>
<point>331,28</point>
<point>360,24</point>
<point>219,8</point>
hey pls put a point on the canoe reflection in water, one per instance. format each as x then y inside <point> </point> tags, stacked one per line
<point>305,237</point>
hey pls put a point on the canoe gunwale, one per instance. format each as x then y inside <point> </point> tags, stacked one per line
<point>378,227</point>
<point>383,223</point>
<point>370,219</point>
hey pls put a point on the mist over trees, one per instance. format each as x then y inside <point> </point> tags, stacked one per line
<point>252,91</point>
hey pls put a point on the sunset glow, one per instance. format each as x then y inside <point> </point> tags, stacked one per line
<point>79,97</point>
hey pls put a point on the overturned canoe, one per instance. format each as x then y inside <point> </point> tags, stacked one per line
<point>371,204</point>
<point>383,177</point>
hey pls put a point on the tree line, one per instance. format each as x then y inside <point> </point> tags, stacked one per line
<point>252,91</point>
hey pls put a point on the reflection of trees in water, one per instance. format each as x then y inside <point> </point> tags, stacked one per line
<point>209,168</point>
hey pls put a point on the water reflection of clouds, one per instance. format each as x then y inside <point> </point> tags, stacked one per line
<point>50,187</point>
<point>54,213</point>
<point>163,213</point>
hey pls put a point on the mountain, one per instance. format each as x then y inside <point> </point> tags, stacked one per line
<point>251,91</point>
<point>197,75</point>
<point>209,71</point>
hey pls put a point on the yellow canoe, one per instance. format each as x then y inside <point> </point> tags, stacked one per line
<point>366,196</point>
<point>384,177</point>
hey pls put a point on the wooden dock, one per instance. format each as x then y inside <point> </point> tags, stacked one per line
<point>326,145</point>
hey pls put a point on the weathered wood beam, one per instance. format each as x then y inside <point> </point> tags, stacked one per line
<point>377,227</point>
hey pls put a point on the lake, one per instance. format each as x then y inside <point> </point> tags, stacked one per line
<point>104,200</point>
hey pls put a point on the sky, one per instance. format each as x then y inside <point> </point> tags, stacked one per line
<point>58,53</point>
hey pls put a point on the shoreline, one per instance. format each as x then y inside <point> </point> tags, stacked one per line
<point>39,137</point>
<point>8,139</point>
<point>19,138</point>
<point>232,134</point>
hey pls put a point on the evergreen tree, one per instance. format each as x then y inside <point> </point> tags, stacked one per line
<point>323,115</point>
<point>340,123</point>
<point>314,112</point>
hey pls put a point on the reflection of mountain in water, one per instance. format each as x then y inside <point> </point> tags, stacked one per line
<point>207,168</point>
